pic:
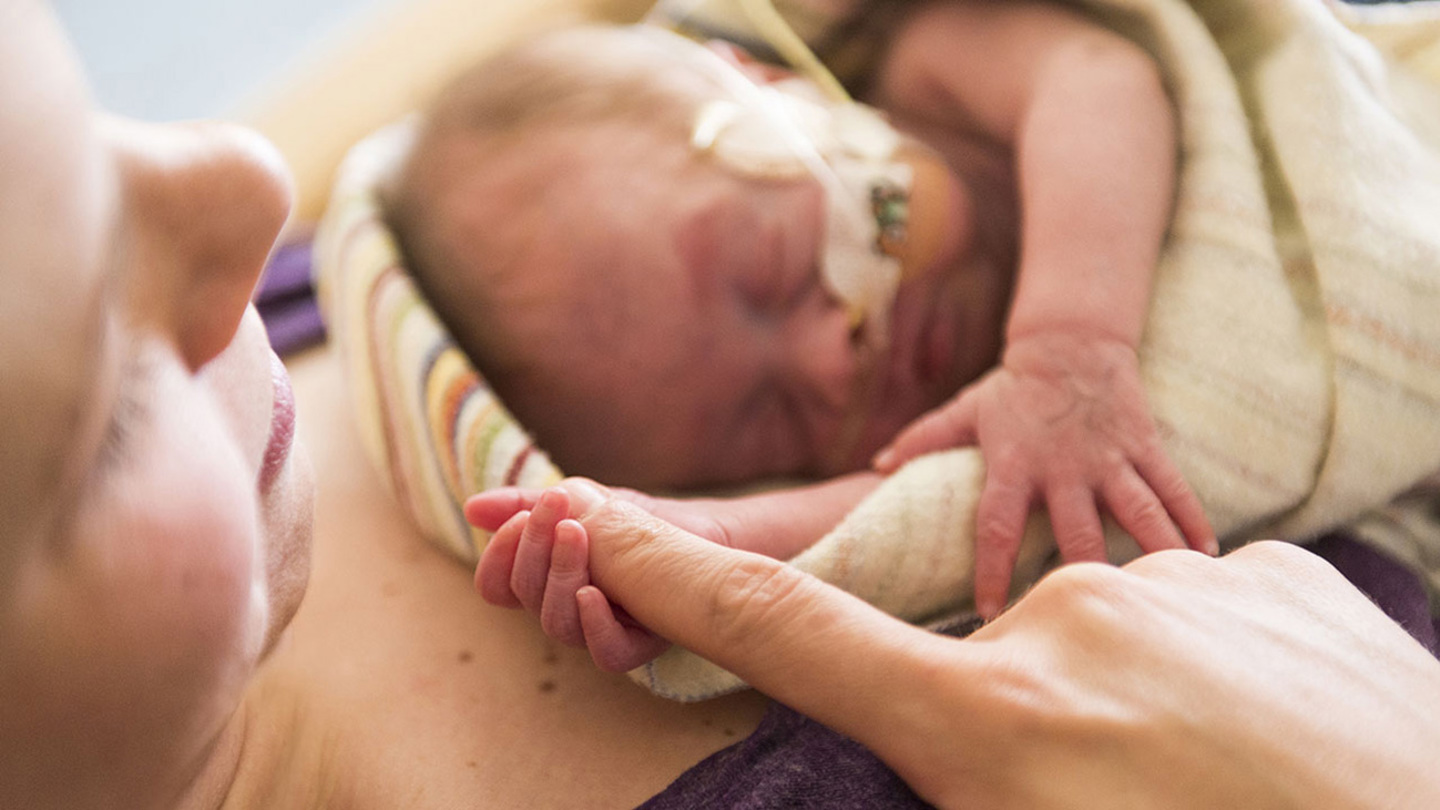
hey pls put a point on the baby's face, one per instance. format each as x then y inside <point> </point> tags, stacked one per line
<point>678,332</point>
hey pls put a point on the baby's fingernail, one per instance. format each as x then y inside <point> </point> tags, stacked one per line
<point>884,459</point>
<point>585,495</point>
<point>1212,547</point>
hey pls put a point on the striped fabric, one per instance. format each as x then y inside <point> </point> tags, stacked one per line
<point>428,420</point>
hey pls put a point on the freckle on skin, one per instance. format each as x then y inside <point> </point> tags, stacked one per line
<point>727,732</point>
<point>389,589</point>
<point>551,656</point>
<point>465,657</point>
<point>547,686</point>
<point>470,764</point>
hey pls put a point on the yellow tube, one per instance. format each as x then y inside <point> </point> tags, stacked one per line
<point>780,36</point>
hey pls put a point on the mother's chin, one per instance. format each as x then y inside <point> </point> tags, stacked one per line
<point>287,521</point>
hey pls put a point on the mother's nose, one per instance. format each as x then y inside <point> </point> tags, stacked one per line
<point>205,202</point>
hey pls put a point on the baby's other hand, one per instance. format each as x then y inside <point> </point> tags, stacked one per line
<point>538,559</point>
<point>1063,421</point>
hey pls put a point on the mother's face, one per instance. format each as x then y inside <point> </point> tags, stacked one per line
<point>155,524</point>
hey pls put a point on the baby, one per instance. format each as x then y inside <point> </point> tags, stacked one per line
<point>645,261</point>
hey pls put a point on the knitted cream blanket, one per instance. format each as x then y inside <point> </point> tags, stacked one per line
<point>1292,355</point>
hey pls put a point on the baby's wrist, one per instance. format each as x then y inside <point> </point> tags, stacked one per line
<point>1068,346</point>
<point>1060,335</point>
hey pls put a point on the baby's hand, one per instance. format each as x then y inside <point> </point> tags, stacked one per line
<point>708,518</point>
<point>1063,419</point>
<point>539,559</point>
<point>777,523</point>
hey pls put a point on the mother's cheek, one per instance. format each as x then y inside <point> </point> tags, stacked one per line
<point>135,635</point>
<point>171,575</point>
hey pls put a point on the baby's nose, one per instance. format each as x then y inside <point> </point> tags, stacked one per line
<point>823,363</point>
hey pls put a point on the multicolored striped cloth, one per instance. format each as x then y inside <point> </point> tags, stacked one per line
<point>428,420</point>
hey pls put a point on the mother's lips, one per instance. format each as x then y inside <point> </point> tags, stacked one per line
<point>282,425</point>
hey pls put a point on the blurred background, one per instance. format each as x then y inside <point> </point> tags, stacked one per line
<point>172,59</point>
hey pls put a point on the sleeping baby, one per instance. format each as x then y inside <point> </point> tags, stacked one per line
<point>679,268</point>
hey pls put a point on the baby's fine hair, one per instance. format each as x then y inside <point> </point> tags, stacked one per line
<point>566,80</point>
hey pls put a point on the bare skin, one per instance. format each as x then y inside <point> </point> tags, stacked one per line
<point>392,643</point>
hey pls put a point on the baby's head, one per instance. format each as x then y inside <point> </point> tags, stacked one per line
<point>652,317</point>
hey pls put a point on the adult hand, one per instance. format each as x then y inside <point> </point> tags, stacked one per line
<point>1258,679</point>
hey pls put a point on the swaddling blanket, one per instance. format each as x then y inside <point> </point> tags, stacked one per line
<point>1292,355</point>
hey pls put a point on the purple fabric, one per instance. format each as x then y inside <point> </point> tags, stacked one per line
<point>286,300</point>
<point>791,761</point>
<point>1397,591</point>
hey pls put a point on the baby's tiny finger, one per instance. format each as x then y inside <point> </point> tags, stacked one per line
<point>532,558</point>
<point>1180,501</point>
<point>950,425</point>
<point>999,522</point>
<point>613,646</point>
<point>490,509</point>
<point>1140,512</point>
<point>1075,520</point>
<point>492,575</point>
<point>569,572</point>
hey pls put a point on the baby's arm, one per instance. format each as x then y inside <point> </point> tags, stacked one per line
<point>537,557</point>
<point>778,523</point>
<point>1064,419</point>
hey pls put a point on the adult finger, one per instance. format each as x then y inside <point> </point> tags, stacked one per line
<point>614,646</point>
<point>810,645</point>
<point>1000,516</point>
<point>950,425</point>
<point>1139,512</point>
<point>492,575</point>
<point>1180,501</point>
<point>532,557</point>
<point>569,572</point>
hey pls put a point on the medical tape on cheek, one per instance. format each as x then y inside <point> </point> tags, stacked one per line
<point>788,129</point>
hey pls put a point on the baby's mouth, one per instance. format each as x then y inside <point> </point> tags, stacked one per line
<point>845,452</point>
<point>935,344</point>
